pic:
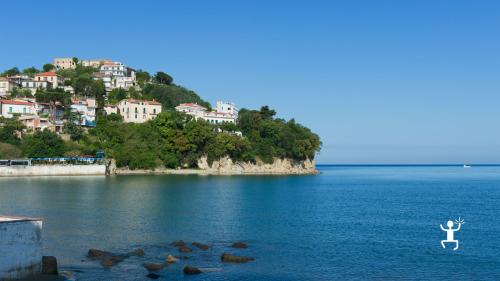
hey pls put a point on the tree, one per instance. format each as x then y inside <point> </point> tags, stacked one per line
<point>171,96</point>
<point>9,151</point>
<point>116,95</point>
<point>11,72</point>
<point>163,78</point>
<point>9,130</point>
<point>30,71</point>
<point>75,60</point>
<point>142,77</point>
<point>48,67</point>
<point>43,144</point>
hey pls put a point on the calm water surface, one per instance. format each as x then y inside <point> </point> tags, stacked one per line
<point>364,223</point>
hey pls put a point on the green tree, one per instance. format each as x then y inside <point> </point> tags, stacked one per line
<point>116,95</point>
<point>43,144</point>
<point>142,77</point>
<point>171,96</point>
<point>11,72</point>
<point>163,78</point>
<point>9,151</point>
<point>48,67</point>
<point>30,71</point>
<point>10,130</point>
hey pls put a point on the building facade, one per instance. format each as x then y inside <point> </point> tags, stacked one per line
<point>138,111</point>
<point>64,63</point>
<point>52,77</point>
<point>9,108</point>
<point>226,112</point>
<point>6,86</point>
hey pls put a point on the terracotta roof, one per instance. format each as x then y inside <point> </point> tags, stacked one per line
<point>15,102</point>
<point>190,104</point>
<point>4,79</point>
<point>47,74</point>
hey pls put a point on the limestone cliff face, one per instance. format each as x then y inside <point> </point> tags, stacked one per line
<point>226,166</point>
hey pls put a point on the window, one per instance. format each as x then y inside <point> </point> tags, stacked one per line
<point>24,110</point>
<point>144,110</point>
<point>136,116</point>
<point>136,111</point>
<point>154,110</point>
<point>10,109</point>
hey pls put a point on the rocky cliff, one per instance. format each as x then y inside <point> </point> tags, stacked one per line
<point>226,166</point>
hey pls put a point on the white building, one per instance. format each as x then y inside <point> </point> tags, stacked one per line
<point>86,108</point>
<point>52,77</point>
<point>33,85</point>
<point>226,112</point>
<point>64,63</point>
<point>10,107</point>
<point>116,75</point>
<point>6,86</point>
<point>138,111</point>
<point>110,109</point>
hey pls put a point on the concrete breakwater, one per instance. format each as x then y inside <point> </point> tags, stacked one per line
<point>52,170</point>
<point>21,247</point>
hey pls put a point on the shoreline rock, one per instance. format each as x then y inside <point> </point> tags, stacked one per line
<point>190,270</point>
<point>225,166</point>
<point>226,257</point>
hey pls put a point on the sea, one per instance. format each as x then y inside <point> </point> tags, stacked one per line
<point>346,223</point>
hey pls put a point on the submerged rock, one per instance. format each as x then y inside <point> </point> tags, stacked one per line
<point>235,259</point>
<point>189,270</point>
<point>95,253</point>
<point>154,266</point>
<point>200,246</point>
<point>171,259</point>
<point>49,265</point>
<point>153,276</point>
<point>185,249</point>
<point>178,243</point>
<point>139,252</point>
<point>107,261</point>
<point>239,245</point>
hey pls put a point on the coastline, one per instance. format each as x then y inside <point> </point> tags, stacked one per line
<point>222,167</point>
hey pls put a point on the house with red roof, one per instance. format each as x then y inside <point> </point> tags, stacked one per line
<point>8,108</point>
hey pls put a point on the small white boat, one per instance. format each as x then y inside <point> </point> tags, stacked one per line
<point>466,166</point>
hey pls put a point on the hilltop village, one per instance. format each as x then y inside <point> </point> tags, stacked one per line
<point>18,91</point>
<point>74,107</point>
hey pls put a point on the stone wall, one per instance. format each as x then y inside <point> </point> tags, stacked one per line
<point>52,170</point>
<point>21,247</point>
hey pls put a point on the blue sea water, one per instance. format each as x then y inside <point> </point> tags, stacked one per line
<point>348,223</point>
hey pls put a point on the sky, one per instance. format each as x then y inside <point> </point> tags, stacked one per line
<point>381,82</point>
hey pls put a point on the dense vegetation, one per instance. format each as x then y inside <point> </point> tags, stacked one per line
<point>172,140</point>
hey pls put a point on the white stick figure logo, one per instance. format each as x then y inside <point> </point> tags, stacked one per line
<point>450,232</point>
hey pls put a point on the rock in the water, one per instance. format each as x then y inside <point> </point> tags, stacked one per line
<point>236,259</point>
<point>200,246</point>
<point>239,245</point>
<point>171,259</point>
<point>185,249</point>
<point>139,252</point>
<point>107,261</point>
<point>191,270</point>
<point>154,266</point>
<point>49,265</point>
<point>153,276</point>
<point>95,253</point>
<point>179,243</point>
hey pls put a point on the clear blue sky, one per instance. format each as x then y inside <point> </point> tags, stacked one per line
<point>379,81</point>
